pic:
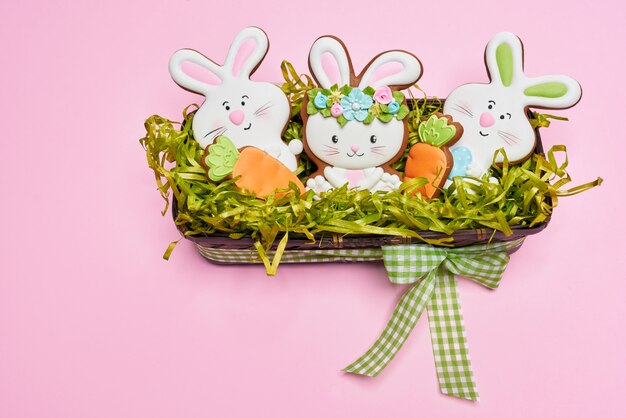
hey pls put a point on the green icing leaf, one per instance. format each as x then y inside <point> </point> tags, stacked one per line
<point>384,108</point>
<point>310,108</point>
<point>345,90</point>
<point>398,96</point>
<point>369,91</point>
<point>436,131</point>
<point>342,120</point>
<point>221,158</point>
<point>312,93</point>
<point>325,92</point>
<point>404,110</point>
<point>369,119</point>
<point>325,112</point>
<point>385,117</point>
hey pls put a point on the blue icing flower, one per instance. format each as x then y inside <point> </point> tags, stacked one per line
<point>462,157</point>
<point>393,107</point>
<point>355,105</point>
<point>320,101</point>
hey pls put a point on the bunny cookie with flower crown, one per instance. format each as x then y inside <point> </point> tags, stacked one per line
<point>356,128</point>
<point>249,113</point>
<point>495,115</point>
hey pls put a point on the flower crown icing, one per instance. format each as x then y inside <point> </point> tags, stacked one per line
<point>347,104</point>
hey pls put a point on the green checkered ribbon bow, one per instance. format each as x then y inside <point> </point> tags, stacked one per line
<point>433,271</point>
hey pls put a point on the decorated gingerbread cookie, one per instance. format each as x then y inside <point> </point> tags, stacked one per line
<point>356,127</point>
<point>495,115</point>
<point>250,113</point>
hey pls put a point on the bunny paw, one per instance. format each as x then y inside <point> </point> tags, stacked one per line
<point>474,170</point>
<point>387,183</point>
<point>295,146</point>
<point>318,184</point>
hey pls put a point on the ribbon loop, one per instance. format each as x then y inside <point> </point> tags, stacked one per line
<point>432,272</point>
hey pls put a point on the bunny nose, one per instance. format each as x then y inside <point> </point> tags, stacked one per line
<point>486,120</point>
<point>236,117</point>
<point>354,148</point>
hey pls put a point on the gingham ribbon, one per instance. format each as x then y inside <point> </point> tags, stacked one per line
<point>433,271</point>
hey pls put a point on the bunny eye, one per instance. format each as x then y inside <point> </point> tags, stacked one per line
<point>491,104</point>
<point>226,105</point>
<point>508,114</point>
<point>335,139</point>
<point>243,103</point>
<point>373,139</point>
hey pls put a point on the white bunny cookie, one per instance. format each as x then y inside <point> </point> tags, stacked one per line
<point>249,113</point>
<point>495,115</point>
<point>356,128</point>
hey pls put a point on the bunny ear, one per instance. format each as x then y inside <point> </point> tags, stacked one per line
<point>408,75</point>
<point>504,57</point>
<point>238,49</point>
<point>333,46</point>
<point>552,91</point>
<point>185,80</point>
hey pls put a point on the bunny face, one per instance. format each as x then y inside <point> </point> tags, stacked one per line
<point>494,115</point>
<point>244,111</point>
<point>355,127</point>
<point>491,120</point>
<point>354,146</point>
<point>249,113</point>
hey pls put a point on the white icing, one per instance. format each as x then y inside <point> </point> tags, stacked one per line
<point>505,124</point>
<point>327,44</point>
<point>410,73</point>
<point>265,107</point>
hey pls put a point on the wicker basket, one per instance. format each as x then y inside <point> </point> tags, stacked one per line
<point>220,249</point>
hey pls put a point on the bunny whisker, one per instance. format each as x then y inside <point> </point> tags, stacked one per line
<point>378,152</point>
<point>466,108</point>
<point>510,136</point>
<point>506,139</point>
<point>332,148</point>
<point>379,147</point>
<point>463,110</point>
<point>213,131</point>
<point>263,107</point>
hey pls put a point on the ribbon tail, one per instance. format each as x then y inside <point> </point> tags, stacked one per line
<point>402,322</point>
<point>449,341</point>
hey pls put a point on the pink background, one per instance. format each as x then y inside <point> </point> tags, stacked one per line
<point>93,323</point>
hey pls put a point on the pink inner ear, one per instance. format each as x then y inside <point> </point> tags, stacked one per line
<point>385,70</point>
<point>200,73</point>
<point>330,67</point>
<point>244,52</point>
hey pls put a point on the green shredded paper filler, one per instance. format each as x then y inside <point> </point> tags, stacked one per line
<point>525,194</point>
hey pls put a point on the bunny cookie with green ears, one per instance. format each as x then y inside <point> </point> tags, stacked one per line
<point>495,115</point>
<point>356,127</point>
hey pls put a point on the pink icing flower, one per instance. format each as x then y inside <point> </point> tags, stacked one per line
<point>383,95</point>
<point>336,110</point>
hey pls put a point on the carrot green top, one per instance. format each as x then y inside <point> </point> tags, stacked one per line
<point>220,158</point>
<point>436,131</point>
